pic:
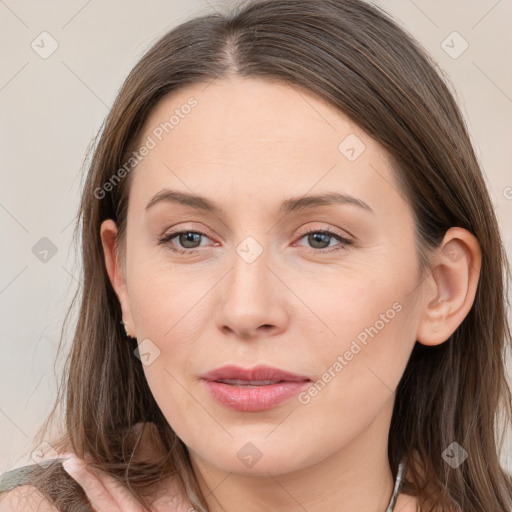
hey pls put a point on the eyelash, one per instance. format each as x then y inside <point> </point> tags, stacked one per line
<point>344,241</point>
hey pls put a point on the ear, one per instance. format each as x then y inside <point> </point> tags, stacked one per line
<point>108,233</point>
<point>451,286</point>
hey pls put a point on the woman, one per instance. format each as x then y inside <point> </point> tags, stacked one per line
<point>293,286</point>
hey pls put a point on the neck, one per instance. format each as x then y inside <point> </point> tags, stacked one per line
<point>355,477</point>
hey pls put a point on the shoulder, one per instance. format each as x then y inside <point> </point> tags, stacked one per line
<point>404,503</point>
<point>25,498</point>
<point>20,487</point>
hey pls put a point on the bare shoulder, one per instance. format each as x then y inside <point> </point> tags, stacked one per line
<point>404,503</point>
<point>25,498</point>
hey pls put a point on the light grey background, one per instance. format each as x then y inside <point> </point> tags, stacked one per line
<point>51,108</point>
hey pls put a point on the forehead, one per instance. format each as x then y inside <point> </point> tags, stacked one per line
<point>249,136</point>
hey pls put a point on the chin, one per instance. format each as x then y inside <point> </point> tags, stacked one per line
<point>258,459</point>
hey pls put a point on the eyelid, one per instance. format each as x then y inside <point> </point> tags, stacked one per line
<point>169,235</point>
<point>343,239</point>
<point>326,229</point>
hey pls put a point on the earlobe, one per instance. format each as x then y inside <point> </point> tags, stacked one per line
<point>450,288</point>
<point>108,233</point>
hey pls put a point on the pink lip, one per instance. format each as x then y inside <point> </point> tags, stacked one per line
<point>259,397</point>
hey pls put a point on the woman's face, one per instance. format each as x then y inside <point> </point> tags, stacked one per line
<point>300,256</point>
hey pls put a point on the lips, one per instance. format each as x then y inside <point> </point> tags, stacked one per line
<point>260,375</point>
<point>238,382</point>
<point>255,389</point>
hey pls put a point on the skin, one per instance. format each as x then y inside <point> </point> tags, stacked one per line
<point>249,145</point>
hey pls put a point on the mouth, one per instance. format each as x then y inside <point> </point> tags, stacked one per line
<point>255,389</point>
<point>250,384</point>
<point>259,375</point>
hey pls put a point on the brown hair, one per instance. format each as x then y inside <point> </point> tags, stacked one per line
<point>353,56</point>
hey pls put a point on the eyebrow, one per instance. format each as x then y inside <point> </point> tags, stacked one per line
<point>289,205</point>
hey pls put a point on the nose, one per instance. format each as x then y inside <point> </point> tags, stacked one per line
<point>252,300</point>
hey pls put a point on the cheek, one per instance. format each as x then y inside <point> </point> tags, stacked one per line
<point>169,318</point>
<point>360,368</point>
<point>167,302</point>
<point>356,304</point>
<point>368,318</point>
